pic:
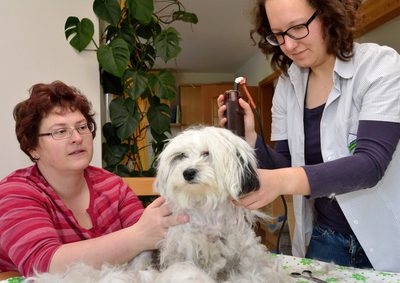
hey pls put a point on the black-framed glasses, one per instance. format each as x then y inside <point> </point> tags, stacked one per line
<point>295,32</point>
<point>66,132</point>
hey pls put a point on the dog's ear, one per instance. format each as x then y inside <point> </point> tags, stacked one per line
<point>249,178</point>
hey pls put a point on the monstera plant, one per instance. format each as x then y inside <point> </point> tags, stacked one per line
<point>136,33</point>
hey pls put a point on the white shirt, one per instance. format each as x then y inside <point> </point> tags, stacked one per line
<point>365,88</point>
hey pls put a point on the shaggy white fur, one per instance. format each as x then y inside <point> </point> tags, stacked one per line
<point>199,173</point>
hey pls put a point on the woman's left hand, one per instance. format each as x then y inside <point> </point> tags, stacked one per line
<point>266,194</point>
<point>276,182</point>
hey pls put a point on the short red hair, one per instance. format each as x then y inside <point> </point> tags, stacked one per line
<point>43,98</point>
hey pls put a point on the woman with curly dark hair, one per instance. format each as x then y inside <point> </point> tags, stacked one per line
<point>336,127</point>
<point>61,210</point>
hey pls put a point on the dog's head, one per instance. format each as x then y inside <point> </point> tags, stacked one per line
<point>204,166</point>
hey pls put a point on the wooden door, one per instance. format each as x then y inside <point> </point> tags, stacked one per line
<point>210,93</point>
<point>191,105</point>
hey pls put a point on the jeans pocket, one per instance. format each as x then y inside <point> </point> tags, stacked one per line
<point>319,233</point>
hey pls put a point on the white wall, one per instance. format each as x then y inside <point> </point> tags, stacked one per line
<point>203,78</point>
<point>386,34</point>
<point>34,49</point>
<point>255,69</point>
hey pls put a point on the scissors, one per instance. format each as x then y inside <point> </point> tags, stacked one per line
<point>306,274</point>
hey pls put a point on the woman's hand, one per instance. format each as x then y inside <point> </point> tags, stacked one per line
<point>250,133</point>
<point>266,194</point>
<point>125,244</point>
<point>273,183</point>
<point>221,111</point>
<point>155,221</point>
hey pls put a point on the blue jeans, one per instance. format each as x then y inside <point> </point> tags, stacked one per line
<point>340,248</point>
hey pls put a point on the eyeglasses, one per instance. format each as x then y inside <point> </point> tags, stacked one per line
<point>64,133</point>
<point>295,32</point>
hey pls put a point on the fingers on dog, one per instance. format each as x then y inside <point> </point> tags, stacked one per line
<point>249,200</point>
<point>157,202</point>
<point>182,218</point>
<point>173,220</point>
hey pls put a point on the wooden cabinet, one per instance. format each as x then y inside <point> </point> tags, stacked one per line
<point>198,103</point>
<point>191,102</point>
<point>269,231</point>
<point>142,186</point>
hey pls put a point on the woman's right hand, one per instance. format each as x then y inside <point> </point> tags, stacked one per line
<point>154,223</point>
<point>125,244</point>
<point>250,132</point>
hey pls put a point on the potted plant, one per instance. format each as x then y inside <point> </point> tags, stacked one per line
<point>135,35</point>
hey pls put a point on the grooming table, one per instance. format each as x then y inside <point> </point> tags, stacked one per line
<point>320,270</point>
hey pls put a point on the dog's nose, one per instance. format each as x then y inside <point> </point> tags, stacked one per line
<point>189,174</point>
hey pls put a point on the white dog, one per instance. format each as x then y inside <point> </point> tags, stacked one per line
<point>200,172</point>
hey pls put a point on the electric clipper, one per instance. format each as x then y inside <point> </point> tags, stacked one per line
<point>234,113</point>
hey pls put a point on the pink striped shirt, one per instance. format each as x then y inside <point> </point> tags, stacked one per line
<point>34,222</point>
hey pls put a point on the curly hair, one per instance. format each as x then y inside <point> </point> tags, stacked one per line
<point>338,20</point>
<point>43,98</point>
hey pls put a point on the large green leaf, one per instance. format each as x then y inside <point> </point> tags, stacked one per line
<point>167,44</point>
<point>159,139</point>
<point>159,118</point>
<point>127,33</point>
<point>107,10</point>
<point>164,84</point>
<point>123,171</point>
<point>115,57</point>
<point>110,134</point>
<point>113,154</point>
<point>110,32</point>
<point>147,31</point>
<point>143,57</point>
<point>141,10</point>
<point>185,17</point>
<point>158,143</point>
<point>135,83</point>
<point>111,83</point>
<point>81,32</point>
<point>124,116</point>
<point>119,169</point>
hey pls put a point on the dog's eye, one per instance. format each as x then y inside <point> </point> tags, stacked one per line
<point>179,156</point>
<point>205,154</point>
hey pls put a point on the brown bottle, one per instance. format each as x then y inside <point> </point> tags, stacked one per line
<point>234,113</point>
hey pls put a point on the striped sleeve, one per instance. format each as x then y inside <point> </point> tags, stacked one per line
<point>27,234</point>
<point>115,198</point>
<point>131,208</point>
